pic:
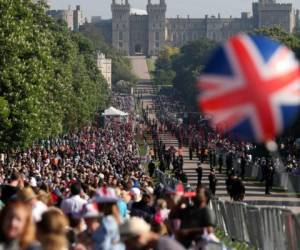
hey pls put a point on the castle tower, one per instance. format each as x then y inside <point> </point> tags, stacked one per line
<point>268,13</point>
<point>156,24</point>
<point>120,26</point>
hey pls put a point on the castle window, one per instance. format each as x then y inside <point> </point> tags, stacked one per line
<point>117,26</point>
<point>120,35</point>
<point>157,45</point>
<point>120,44</point>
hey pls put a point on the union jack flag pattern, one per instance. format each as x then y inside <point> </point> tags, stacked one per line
<point>251,88</point>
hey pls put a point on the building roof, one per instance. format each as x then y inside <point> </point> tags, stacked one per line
<point>138,12</point>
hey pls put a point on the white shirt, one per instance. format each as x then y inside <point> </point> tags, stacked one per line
<point>37,210</point>
<point>73,205</point>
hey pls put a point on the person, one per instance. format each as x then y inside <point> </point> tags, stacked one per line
<point>107,236</point>
<point>199,171</point>
<point>238,189</point>
<point>73,204</point>
<point>243,166</point>
<point>136,235</point>
<point>212,181</point>
<point>229,185</point>
<point>269,179</point>
<point>220,161</point>
<point>143,208</point>
<point>191,152</point>
<point>9,190</point>
<point>91,217</point>
<point>197,220</point>
<point>17,231</point>
<point>151,168</point>
<point>29,196</point>
<point>52,230</point>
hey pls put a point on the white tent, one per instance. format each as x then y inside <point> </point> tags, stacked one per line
<point>114,112</point>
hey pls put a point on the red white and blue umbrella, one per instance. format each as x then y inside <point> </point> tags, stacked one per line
<point>251,88</point>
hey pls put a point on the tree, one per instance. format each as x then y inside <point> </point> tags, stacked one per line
<point>25,71</point>
<point>164,73</point>
<point>188,65</point>
<point>49,81</point>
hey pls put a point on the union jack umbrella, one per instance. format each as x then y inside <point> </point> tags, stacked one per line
<point>251,88</point>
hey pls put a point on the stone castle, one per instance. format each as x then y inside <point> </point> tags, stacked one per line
<point>137,32</point>
<point>146,32</point>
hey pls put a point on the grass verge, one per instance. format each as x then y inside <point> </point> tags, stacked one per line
<point>232,244</point>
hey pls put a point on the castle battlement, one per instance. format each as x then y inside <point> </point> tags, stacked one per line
<point>276,7</point>
<point>147,32</point>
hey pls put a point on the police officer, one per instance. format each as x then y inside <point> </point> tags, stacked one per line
<point>269,178</point>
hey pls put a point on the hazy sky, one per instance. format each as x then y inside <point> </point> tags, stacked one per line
<point>194,8</point>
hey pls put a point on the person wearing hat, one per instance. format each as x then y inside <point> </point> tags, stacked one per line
<point>107,236</point>
<point>29,196</point>
<point>91,216</point>
<point>136,235</point>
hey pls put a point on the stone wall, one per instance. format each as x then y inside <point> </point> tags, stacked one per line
<point>138,34</point>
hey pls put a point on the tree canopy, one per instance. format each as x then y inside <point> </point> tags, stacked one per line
<point>181,67</point>
<point>164,73</point>
<point>49,82</point>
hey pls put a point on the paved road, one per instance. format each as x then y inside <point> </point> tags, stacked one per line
<point>139,67</point>
<point>255,194</point>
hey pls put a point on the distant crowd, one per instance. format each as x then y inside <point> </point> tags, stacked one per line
<point>88,190</point>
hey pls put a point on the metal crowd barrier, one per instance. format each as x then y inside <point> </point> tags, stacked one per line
<point>262,228</point>
<point>167,181</point>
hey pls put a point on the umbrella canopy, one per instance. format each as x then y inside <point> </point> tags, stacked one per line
<point>113,112</point>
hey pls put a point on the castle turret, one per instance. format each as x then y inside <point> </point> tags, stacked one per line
<point>268,13</point>
<point>157,24</point>
<point>120,26</point>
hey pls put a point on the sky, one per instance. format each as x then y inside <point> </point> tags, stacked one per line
<point>194,8</point>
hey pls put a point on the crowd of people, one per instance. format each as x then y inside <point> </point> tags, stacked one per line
<point>88,190</point>
<point>224,155</point>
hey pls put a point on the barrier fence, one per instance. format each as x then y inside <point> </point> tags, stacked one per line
<point>287,181</point>
<point>166,180</point>
<point>263,228</point>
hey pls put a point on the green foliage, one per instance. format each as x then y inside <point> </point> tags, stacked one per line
<point>188,65</point>
<point>49,82</point>
<point>164,73</point>
<point>121,66</point>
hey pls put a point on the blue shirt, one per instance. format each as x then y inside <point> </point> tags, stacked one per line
<point>107,236</point>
